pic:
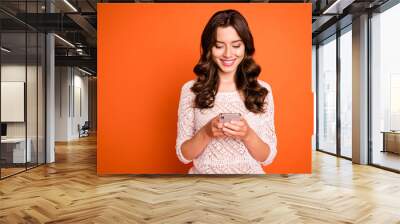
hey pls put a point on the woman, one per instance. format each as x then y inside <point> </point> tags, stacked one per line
<point>226,83</point>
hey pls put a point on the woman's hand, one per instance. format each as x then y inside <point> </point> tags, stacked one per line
<point>213,128</point>
<point>237,129</point>
<point>193,147</point>
<point>257,148</point>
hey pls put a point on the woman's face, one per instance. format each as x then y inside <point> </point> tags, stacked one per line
<point>229,50</point>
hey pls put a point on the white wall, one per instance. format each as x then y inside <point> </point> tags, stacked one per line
<point>62,78</point>
<point>12,73</point>
<point>81,84</point>
<point>71,93</point>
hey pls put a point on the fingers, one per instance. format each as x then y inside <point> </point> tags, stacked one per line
<point>217,130</point>
<point>220,125</point>
<point>239,123</point>
<point>235,129</point>
<point>232,127</point>
<point>236,125</point>
<point>219,134</point>
<point>217,123</point>
<point>232,133</point>
<point>243,120</point>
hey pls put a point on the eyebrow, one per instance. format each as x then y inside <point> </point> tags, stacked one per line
<point>232,41</point>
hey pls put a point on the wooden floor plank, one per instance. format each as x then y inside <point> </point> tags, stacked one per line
<point>69,191</point>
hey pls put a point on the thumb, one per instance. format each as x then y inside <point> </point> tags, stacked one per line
<point>219,125</point>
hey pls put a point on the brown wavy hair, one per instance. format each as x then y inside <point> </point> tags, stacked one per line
<point>206,85</point>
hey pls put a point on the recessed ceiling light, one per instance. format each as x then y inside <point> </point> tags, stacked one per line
<point>5,50</point>
<point>84,71</point>
<point>64,40</point>
<point>70,5</point>
<point>338,6</point>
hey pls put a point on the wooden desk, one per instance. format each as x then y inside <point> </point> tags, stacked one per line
<point>13,150</point>
<point>391,141</point>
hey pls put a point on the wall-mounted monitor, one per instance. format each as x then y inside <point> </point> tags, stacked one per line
<point>12,101</point>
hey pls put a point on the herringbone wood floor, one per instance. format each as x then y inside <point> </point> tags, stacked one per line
<point>69,191</point>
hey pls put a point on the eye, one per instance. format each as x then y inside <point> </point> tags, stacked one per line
<point>236,46</point>
<point>218,47</point>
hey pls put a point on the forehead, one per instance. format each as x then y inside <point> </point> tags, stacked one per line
<point>227,34</point>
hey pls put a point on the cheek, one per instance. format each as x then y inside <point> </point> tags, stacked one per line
<point>216,53</point>
<point>240,55</point>
<point>240,52</point>
<point>214,57</point>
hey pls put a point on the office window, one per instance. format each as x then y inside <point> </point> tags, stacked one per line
<point>346,92</point>
<point>327,95</point>
<point>314,82</point>
<point>385,88</point>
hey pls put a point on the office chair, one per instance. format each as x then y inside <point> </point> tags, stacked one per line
<point>84,130</point>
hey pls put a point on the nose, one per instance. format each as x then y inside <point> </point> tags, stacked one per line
<point>227,52</point>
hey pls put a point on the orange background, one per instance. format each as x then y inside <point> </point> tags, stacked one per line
<point>147,51</point>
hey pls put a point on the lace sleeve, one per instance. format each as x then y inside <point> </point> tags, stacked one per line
<point>267,133</point>
<point>185,125</point>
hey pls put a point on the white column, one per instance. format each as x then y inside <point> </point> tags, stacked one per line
<point>360,90</point>
<point>50,92</point>
<point>50,110</point>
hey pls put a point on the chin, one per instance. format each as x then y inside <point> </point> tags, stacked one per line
<point>225,70</point>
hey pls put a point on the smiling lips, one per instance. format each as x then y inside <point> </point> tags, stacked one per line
<point>228,63</point>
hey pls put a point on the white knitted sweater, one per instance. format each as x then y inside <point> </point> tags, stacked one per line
<point>224,155</point>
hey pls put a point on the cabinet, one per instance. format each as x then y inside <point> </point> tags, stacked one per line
<point>391,141</point>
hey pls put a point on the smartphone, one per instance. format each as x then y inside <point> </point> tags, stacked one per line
<point>227,117</point>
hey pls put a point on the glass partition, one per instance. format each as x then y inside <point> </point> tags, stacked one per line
<point>346,93</point>
<point>41,86</point>
<point>32,95</point>
<point>14,153</point>
<point>327,95</point>
<point>22,77</point>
